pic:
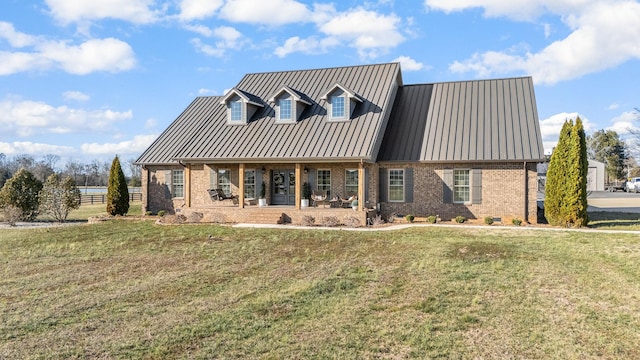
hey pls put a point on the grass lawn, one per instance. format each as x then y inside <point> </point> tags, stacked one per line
<point>132,289</point>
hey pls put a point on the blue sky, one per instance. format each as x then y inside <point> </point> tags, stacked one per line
<point>90,79</point>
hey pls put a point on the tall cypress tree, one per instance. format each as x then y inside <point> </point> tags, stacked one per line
<point>556,183</point>
<point>117,193</point>
<point>579,166</point>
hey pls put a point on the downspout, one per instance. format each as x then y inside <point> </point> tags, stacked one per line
<point>145,202</point>
<point>526,193</point>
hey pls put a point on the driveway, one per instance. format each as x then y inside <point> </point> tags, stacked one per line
<point>614,201</point>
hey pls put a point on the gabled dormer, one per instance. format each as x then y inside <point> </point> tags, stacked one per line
<point>289,104</point>
<point>240,106</point>
<point>342,102</point>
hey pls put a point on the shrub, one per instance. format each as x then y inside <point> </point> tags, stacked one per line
<point>308,220</point>
<point>22,191</point>
<point>161,213</point>
<point>378,220</point>
<point>516,221</point>
<point>410,218</point>
<point>117,192</point>
<point>306,190</point>
<point>195,217</point>
<point>330,221</point>
<point>59,196</point>
<point>351,221</point>
<point>11,214</point>
<point>488,220</point>
<point>432,219</point>
<point>148,213</point>
<point>460,219</point>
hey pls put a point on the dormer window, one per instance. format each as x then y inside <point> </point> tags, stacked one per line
<point>337,106</point>
<point>284,106</point>
<point>342,102</point>
<point>241,106</point>
<point>289,104</point>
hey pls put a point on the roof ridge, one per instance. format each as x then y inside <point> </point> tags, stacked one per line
<point>467,81</point>
<point>320,68</point>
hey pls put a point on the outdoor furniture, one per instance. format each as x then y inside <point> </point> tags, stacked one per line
<point>319,196</point>
<point>346,203</point>
<point>219,195</point>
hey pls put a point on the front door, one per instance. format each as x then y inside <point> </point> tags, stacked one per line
<point>283,191</point>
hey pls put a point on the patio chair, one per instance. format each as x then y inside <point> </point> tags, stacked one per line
<point>346,203</point>
<point>219,195</point>
<point>318,196</point>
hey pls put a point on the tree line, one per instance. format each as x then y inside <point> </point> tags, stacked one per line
<point>92,173</point>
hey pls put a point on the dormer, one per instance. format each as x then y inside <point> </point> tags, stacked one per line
<point>240,106</point>
<point>289,104</point>
<point>342,102</point>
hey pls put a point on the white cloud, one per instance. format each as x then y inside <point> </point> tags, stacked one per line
<point>551,126</point>
<point>27,147</point>
<point>15,38</point>
<point>272,12</point>
<point>150,123</point>
<point>206,92</point>
<point>207,49</point>
<point>310,45</point>
<point>625,122</point>
<point>408,64</point>
<point>111,55</point>
<point>135,11</point>
<point>367,31</point>
<point>613,106</point>
<point>604,35</point>
<point>137,145</point>
<point>198,9</point>
<point>24,118</point>
<point>75,95</point>
<point>228,38</point>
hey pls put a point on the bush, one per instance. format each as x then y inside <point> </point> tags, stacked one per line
<point>432,219</point>
<point>516,221</point>
<point>148,213</point>
<point>58,197</point>
<point>460,219</point>
<point>12,214</point>
<point>378,220</point>
<point>330,221</point>
<point>308,220</point>
<point>161,213</point>
<point>410,218</point>
<point>22,191</point>
<point>306,190</point>
<point>117,192</point>
<point>488,220</point>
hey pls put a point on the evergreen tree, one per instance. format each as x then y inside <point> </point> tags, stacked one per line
<point>21,192</point>
<point>606,146</point>
<point>59,196</point>
<point>117,192</point>
<point>556,177</point>
<point>576,199</point>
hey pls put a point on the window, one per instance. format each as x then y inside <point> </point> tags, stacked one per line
<point>396,185</point>
<point>285,109</point>
<point>351,182</point>
<point>337,107</point>
<point>250,184</point>
<point>224,180</point>
<point>236,110</point>
<point>324,181</point>
<point>461,188</point>
<point>177,183</point>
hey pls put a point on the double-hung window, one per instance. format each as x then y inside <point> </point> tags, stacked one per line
<point>396,185</point>
<point>324,181</point>
<point>236,110</point>
<point>337,107</point>
<point>351,182</point>
<point>250,184</point>
<point>177,183</point>
<point>224,180</point>
<point>461,186</point>
<point>285,109</point>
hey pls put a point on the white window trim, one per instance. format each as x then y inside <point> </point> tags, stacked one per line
<point>453,195</point>
<point>292,119</point>
<point>231,119</point>
<point>220,177</point>
<point>345,107</point>
<point>389,185</point>
<point>173,184</point>
<point>255,188</point>
<point>346,171</point>
<point>318,178</point>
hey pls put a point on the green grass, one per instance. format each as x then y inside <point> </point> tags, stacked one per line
<point>614,220</point>
<point>132,289</point>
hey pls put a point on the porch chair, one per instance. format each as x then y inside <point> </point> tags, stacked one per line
<point>219,195</point>
<point>319,196</point>
<point>346,203</point>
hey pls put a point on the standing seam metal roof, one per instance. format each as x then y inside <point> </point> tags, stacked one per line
<point>480,120</point>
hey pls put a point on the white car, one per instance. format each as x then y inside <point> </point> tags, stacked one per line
<point>633,185</point>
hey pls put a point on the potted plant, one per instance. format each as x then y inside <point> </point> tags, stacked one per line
<point>354,204</point>
<point>263,194</point>
<point>306,195</point>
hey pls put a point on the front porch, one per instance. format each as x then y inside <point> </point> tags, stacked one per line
<point>275,214</point>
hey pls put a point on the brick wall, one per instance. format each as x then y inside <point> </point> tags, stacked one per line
<point>156,194</point>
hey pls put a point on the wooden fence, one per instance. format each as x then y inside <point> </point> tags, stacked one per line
<point>90,199</point>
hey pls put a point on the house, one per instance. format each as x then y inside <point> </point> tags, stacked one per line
<point>465,148</point>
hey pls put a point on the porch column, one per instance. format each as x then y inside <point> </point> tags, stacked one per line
<point>361,198</point>
<point>187,185</point>
<point>298,185</point>
<point>241,186</point>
